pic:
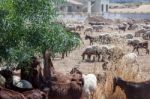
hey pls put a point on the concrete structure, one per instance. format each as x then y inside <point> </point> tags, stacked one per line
<point>104,4</point>
<point>100,6</point>
<point>85,6</point>
<point>70,6</point>
<point>80,10</point>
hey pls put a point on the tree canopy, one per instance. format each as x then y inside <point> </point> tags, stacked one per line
<point>28,27</point>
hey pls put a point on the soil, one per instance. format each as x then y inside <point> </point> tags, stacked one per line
<point>74,59</point>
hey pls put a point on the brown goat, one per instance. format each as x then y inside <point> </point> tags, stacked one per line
<point>72,90</point>
<point>79,27</point>
<point>61,86</point>
<point>91,38</point>
<point>9,94</point>
<point>89,30</point>
<point>75,71</point>
<point>35,94</point>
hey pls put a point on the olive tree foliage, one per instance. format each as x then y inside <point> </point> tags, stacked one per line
<point>28,27</point>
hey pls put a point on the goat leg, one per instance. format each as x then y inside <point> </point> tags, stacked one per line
<point>89,57</point>
<point>133,49</point>
<point>98,57</point>
<point>83,56</point>
<point>147,51</point>
<point>137,49</point>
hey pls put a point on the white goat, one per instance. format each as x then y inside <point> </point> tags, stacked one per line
<point>18,82</point>
<point>16,76</point>
<point>130,59</point>
<point>90,85</point>
<point>2,81</point>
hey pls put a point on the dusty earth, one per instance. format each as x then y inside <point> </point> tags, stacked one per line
<point>140,9</point>
<point>104,89</point>
<point>75,59</point>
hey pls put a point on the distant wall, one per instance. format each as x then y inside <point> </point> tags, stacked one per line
<point>126,16</point>
<point>73,17</point>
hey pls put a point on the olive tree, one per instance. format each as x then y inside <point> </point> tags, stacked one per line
<point>28,27</point>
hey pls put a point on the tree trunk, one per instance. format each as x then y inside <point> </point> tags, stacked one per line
<point>48,65</point>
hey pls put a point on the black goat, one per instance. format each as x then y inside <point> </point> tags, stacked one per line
<point>133,90</point>
<point>137,45</point>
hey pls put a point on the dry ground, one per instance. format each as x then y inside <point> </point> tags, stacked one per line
<point>140,9</point>
<point>75,59</point>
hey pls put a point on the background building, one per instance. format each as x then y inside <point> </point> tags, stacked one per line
<point>85,6</point>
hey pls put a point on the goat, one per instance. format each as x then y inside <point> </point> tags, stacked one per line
<point>71,28</point>
<point>90,85</point>
<point>137,44</point>
<point>130,59</point>
<point>61,86</point>
<point>9,94</point>
<point>89,51</point>
<point>35,94</point>
<point>115,53</point>
<point>122,27</point>
<point>97,28</point>
<point>130,42</point>
<point>2,81</point>
<point>140,32</point>
<point>97,23</point>
<point>91,38</point>
<point>79,27</point>
<point>105,38</point>
<point>15,83</point>
<point>75,70</point>
<point>133,90</point>
<point>146,36</point>
<point>129,36</point>
<point>132,26</point>
<point>89,29</point>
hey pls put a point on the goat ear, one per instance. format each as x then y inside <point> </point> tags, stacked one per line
<point>118,79</point>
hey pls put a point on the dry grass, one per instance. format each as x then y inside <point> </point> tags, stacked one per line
<point>104,90</point>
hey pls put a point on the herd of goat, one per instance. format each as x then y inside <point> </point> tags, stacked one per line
<point>105,44</point>
<point>42,81</point>
<point>104,47</point>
